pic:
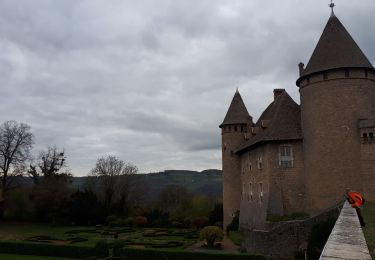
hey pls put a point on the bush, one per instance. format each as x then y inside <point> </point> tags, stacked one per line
<point>211,234</point>
<point>200,222</point>
<point>140,221</point>
<point>234,224</point>
<point>154,254</point>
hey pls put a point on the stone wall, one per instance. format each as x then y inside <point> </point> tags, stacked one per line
<point>340,244</point>
<point>286,238</point>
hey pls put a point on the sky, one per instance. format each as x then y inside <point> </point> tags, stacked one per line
<point>150,81</point>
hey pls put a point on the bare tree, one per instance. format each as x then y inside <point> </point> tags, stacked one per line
<point>116,179</point>
<point>16,141</point>
<point>51,162</point>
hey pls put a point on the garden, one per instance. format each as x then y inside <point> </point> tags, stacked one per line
<point>107,242</point>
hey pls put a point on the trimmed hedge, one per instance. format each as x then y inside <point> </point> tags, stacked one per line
<point>67,251</point>
<point>146,254</point>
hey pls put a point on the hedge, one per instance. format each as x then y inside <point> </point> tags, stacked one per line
<point>67,251</point>
<point>146,254</point>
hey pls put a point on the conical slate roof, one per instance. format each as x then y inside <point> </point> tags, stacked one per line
<point>284,123</point>
<point>237,112</point>
<point>336,49</point>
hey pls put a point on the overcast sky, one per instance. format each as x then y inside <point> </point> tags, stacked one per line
<point>150,81</point>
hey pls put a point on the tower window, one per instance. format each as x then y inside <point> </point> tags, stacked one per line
<point>241,128</point>
<point>371,135</point>
<point>286,156</point>
<point>235,128</point>
<point>260,161</point>
<point>364,135</point>
<point>260,192</point>
<point>250,192</point>
<point>243,191</point>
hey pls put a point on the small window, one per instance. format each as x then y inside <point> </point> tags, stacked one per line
<point>235,128</point>
<point>286,156</point>
<point>347,74</point>
<point>260,192</point>
<point>243,191</point>
<point>250,192</point>
<point>364,135</point>
<point>371,135</point>
<point>241,128</point>
<point>260,161</point>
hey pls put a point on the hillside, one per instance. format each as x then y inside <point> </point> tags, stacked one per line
<point>207,182</point>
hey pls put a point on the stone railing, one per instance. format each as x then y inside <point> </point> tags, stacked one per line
<point>346,240</point>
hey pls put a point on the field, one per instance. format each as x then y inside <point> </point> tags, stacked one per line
<point>369,229</point>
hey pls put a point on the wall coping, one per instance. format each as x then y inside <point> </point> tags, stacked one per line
<point>346,240</point>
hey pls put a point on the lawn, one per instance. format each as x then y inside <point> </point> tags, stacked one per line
<point>369,229</point>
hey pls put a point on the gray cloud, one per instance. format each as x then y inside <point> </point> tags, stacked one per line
<point>150,83</point>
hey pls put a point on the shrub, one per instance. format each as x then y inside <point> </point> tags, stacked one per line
<point>200,222</point>
<point>140,221</point>
<point>211,234</point>
<point>234,224</point>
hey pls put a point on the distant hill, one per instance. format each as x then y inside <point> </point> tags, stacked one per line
<point>207,182</point>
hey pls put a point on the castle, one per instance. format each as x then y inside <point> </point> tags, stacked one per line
<point>301,158</point>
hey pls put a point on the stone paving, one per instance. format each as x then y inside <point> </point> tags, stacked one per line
<point>346,240</point>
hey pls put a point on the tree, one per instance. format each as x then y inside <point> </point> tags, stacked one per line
<point>16,141</point>
<point>51,162</point>
<point>116,179</point>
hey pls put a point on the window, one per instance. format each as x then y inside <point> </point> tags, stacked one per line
<point>347,74</point>
<point>250,192</point>
<point>286,156</point>
<point>260,192</point>
<point>243,191</point>
<point>260,161</point>
<point>235,128</point>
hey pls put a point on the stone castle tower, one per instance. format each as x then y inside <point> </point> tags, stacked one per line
<point>234,131</point>
<point>301,158</point>
<point>337,90</point>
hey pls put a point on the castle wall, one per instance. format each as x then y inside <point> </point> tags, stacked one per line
<point>331,105</point>
<point>282,187</point>
<point>231,140</point>
<point>368,160</point>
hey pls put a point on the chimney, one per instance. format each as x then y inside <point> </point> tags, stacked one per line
<point>278,92</point>
<point>301,68</point>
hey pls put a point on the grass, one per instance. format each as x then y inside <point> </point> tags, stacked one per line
<point>236,237</point>
<point>369,229</point>
<point>29,257</point>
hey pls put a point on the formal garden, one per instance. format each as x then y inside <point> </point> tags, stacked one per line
<point>24,241</point>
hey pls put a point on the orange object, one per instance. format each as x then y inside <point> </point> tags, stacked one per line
<point>355,199</point>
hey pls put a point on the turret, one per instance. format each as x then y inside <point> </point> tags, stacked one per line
<point>235,129</point>
<point>337,89</point>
